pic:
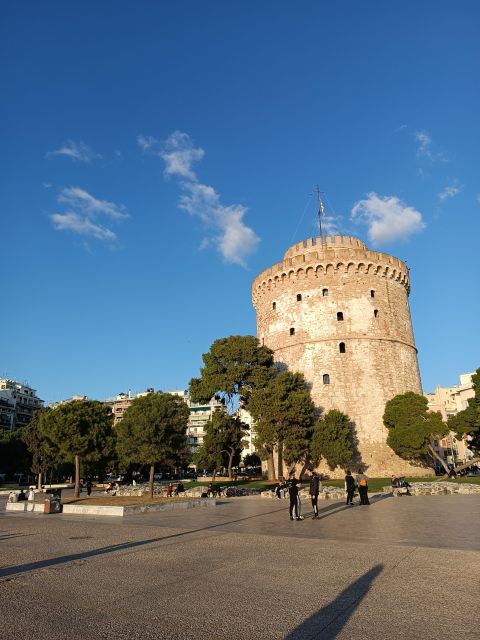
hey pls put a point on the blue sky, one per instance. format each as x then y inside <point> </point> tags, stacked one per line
<point>156,156</point>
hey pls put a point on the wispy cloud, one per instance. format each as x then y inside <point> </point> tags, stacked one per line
<point>450,191</point>
<point>426,149</point>
<point>234,240</point>
<point>387,218</point>
<point>77,151</point>
<point>80,224</point>
<point>86,208</point>
<point>89,205</point>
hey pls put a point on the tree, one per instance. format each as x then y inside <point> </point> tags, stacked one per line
<point>233,367</point>
<point>14,455</point>
<point>43,454</point>
<point>284,415</point>
<point>252,460</point>
<point>224,437</point>
<point>466,424</point>
<point>153,430</point>
<point>79,429</point>
<point>411,427</point>
<point>332,439</point>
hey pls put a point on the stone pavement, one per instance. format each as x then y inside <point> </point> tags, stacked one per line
<point>400,569</point>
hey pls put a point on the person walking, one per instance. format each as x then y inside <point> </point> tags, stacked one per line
<point>295,504</point>
<point>349,487</point>
<point>315,487</point>
<point>362,484</point>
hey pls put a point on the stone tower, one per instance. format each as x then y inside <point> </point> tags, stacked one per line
<point>338,312</point>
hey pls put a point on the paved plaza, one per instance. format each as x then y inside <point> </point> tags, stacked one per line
<point>402,568</point>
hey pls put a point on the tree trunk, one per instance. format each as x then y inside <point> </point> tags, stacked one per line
<point>76,491</point>
<point>280,460</point>
<point>39,480</point>
<point>150,481</point>
<point>270,466</point>
<point>214,474</point>
<point>230,463</point>
<point>435,455</point>
<point>467,464</point>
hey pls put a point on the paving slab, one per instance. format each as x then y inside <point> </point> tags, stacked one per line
<point>397,569</point>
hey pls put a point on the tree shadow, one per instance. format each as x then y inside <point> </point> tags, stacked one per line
<point>49,562</point>
<point>330,619</point>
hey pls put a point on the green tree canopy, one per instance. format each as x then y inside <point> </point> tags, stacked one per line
<point>79,429</point>
<point>153,430</point>
<point>284,415</point>
<point>43,454</point>
<point>412,428</point>
<point>14,455</point>
<point>332,439</point>
<point>233,367</point>
<point>224,439</point>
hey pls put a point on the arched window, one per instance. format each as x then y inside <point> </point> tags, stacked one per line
<point>341,347</point>
<point>339,315</point>
<point>372,293</point>
<point>292,331</point>
<point>326,378</point>
<point>375,313</point>
<point>274,305</point>
<point>299,297</point>
<point>324,293</point>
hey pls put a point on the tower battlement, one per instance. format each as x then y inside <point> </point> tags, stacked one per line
<point>334,256</point>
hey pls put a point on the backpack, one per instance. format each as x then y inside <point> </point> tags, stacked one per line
<point>362,483</point>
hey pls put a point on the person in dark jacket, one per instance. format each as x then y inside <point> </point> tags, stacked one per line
<point>349,487</point>
<point>295,505</point>
<point>315,486</point>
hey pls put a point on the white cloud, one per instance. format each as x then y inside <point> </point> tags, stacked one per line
<point>78,151</point>
<point>88,204</point>
<point>82,225</point>
<point>388,218</point>
<point>449,191</point>
<point>179,154</point>
<point>233,239</point>
<point>86,208</point>
<point>424,148</point>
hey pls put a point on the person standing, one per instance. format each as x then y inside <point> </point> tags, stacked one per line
<point>362,484</point>
<point>315,487</point>
<point>295,504</point>
<point>89,487</point>
<point>349,487</point>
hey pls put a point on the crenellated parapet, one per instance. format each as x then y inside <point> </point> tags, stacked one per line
<point>335,256</point>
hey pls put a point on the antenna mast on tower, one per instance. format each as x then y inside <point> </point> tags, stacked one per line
<point>321,209</point>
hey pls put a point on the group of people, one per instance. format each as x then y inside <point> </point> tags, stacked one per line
<point>177,491</point>
<point>292,487</point>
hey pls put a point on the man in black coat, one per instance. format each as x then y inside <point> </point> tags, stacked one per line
<point>315,486</point>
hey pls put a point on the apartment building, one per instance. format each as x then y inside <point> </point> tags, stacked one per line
<point>449,401</point>
<point>18,403</point>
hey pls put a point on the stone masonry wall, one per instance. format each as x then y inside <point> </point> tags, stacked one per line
<point>369,356</point>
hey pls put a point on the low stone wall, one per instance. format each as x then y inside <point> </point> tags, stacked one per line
<point>435,489</point>
<point>327,493</point>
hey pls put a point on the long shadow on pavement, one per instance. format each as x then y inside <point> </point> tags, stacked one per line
<point>41,564</point>
<point>330,620</point>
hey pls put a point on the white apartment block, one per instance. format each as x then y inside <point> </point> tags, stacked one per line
<point>18,403</point>
<point>449,401</point>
